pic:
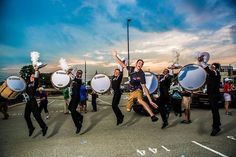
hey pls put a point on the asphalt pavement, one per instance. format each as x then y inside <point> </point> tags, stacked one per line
<point>100,137</point>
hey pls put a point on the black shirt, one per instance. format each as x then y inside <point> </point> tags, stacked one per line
<point>31,88</point>
<point>213,81</point>
<point>116,81</point>
<point>76,84</point>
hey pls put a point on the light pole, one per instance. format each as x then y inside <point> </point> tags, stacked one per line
<point>128,21</point>
<point>85,72</point>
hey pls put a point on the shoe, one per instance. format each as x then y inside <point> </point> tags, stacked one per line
<point>31,131</point>
<point>120,121</point>
<point>164,125</point>
<point>78,129</point>
<point>215,131</point>
<point>186,121</point>
<point>154,118</point>
<point>47,117</point>
<point>44,130</point>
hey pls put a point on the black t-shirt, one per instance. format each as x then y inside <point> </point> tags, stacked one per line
<point>116,81</point>
<point>136,79</point>
<point>213,81</point>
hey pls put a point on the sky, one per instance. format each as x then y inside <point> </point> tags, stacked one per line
<point>79,30</point>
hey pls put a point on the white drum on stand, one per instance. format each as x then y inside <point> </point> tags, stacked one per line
<point>192,77</point>
<point>12,87</point>
<point>151,82</point>
<point>60,79</point>
<point>100,83</point>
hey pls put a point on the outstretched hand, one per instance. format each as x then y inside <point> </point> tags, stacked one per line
<point>154,104</point>
<point>114,53</point>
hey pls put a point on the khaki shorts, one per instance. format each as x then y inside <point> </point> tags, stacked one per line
<point>186,101</point>
<point>137,94</point>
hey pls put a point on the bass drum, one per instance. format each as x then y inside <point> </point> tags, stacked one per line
<point>100,83</point>
<point>192,77</point>
<point>151,82</point>
<point>60,79</point>
<point>12,87</point>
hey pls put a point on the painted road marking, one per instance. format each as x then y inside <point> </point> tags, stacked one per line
<point>153,150</point>
<point>141,152</point>
<point>165,148</point>
<point>231,137</point>
<point>214,151</point>
<point>104,101</point>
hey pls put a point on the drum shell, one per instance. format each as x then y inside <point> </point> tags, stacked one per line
<point>100,83</point>
<point>60,80</point>
<point>9,93</point>
<point>192,77</point>
<point>151,81</point>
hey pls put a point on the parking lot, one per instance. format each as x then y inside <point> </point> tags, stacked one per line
<point>100,137</point>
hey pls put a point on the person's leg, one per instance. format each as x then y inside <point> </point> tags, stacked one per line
<point>28,119</point>
<point>37,115</point>
<point>147,108</point>
<point>76,116</point>
<point>226,106</point>
<point>4,111</point>
<point>117,111</point>
<point>215,114</point>
<point>130,101</point>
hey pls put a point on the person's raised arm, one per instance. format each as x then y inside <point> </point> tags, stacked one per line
<point>118,60</point>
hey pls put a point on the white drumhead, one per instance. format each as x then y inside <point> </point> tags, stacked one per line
<point>151,82</point>
<point>60,79</point>
<point>192,77</point>
<point>100,83</point>
<point>15,83</point>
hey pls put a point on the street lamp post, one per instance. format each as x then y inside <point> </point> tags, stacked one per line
<point>128,21</point>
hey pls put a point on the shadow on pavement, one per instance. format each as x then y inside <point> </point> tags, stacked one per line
<point>96,118</point>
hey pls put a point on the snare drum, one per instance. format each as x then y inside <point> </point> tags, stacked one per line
<point>192,77</point>
<point>151,82</point>
<point>12,87</point>
<point>100,83</point>
<point>60,79</point>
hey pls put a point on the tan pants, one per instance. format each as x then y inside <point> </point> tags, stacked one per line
<point>137,94</point>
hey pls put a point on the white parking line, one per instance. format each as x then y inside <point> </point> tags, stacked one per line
<point>209,149</point>
<point>231,137</point>
<point>165,148</point>
<point>104,101</point>
<point>51,102</point>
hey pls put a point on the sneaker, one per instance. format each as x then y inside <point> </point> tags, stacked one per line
<point>78,129</point>
<point>215,132</point>
<point>154,118</point>
<point>120,121</point>
<point>186,121</point>
<point>44,130</point>
<point>47,117</point>
<point>31,131</point>
<point>164,125</point>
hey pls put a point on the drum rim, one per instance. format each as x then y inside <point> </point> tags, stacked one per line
<point>104,91</point>
<point>21,80</point>
<point>188,65</point>
<point>55,85</point>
